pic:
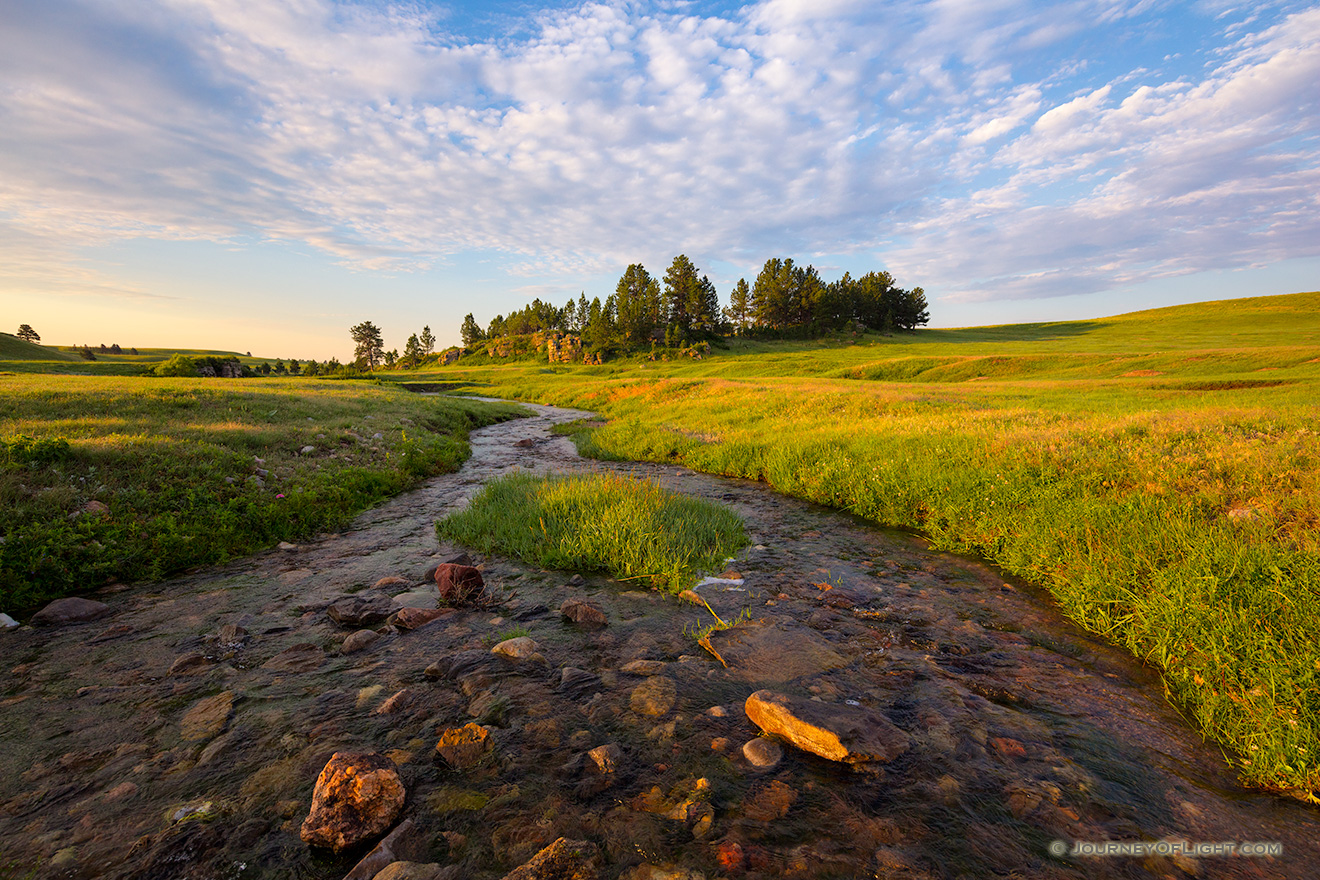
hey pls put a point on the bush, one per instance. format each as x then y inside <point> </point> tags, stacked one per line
<point>177,365</point>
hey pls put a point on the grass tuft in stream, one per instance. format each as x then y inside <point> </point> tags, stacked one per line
<point>632,529</point>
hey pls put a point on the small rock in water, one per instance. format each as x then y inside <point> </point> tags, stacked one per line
<point>583,613</point>
<point>576,580</point>
<point>852,735</point>
<point>302,657</point>
<point>414,871</point>
<point>383,855</point>
<point>232,636</point>
<point>458,583</point>
<point>577,682</point>
<point>357,611</point>
<point>392,581</point>
<point>464,747</point>
<point>413,618</point>
<point>357,796</point>
<point>655,696</point>
<point>71,609</point>
<point>762,753</point>
<point>606,758</point>
<point>397,703</point>
<point>562,860</point>
<point>187,664</point>
<point>207,717</point>
<point>644,667</point>
<point>359,640</point>
<point>520,648</point>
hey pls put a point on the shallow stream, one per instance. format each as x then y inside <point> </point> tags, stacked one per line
<point>154,744</point>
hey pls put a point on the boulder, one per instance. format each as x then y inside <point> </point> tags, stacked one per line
<point>70,609</point>
<point>359,611</point>
<point>358,796</point>
<point>383,855</point>
<point>849,734</point>
<point>562,860</point>
<point>458,583</point>
<point>606,758</point>
<point>583,613</point>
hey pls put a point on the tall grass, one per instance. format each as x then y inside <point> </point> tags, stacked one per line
<point>179,465</point>
<point>1158,472</point>
<point>632,529</point>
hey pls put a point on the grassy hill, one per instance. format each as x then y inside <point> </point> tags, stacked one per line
<point>14,349</point>
<point>1158,472</point>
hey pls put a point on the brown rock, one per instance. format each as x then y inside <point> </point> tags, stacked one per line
<point>460,559</point>
<point>413,618</point>
<point>1009,748</point>
<point>187,664</point>
<point>383,855</point>
<point>359,611</point>
<point>302,657</point>
<point>458,583</point>
<point>358,641</point>
<point>397,703</point>
<point>520,648</point>
<point>655,696</point>
<point>357,796</point>
<point>770,803</point>
<point>583,613</point>
<point>392,581</point>
<point>416,871</point>
<point>843,733</point>
<point>70,609</point>
<point>692,596</point>
<point>562,860</point>
<point>232,635</point>
<point>762,753</point>
<point>464,747</point>
<point>762,652</point>
<point>606,758</point>
<point>644,667</point>
<point>207,717</point>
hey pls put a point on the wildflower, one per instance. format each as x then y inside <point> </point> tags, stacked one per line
<point>281,495</point>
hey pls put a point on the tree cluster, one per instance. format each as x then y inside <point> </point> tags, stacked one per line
<point>792,300</point>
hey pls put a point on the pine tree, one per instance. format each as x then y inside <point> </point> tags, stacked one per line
<point>427,340</point>
<point>370,346</point>
<point>412,351</point>
<point>27,334</point>
<point>739,311</point>
<point>471,331</point>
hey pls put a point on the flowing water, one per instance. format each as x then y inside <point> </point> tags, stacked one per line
<point>152,744</point>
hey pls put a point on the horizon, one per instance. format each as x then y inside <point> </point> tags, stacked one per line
<point>263,177</point>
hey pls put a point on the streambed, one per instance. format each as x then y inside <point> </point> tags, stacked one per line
<point>157,742</point>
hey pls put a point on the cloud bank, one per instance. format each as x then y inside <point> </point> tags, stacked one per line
<point>987,149</point>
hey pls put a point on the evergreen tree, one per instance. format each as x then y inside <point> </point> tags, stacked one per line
<point>279,366</point>
<point>427,340</point>
<point>294,367</point>
<point>471,331</point>
<point>412,351</point>
<point>391,358</point>
<point>682,289</point>
<point>637,296</point>
<point>27,334</point>
<point>739,311</point>
<point>370,346</point>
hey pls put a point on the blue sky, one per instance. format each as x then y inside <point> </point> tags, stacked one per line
<point>261,176</point>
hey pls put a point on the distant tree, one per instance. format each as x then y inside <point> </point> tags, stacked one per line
<point>264,369</point>
<point>637,296</point>
<point>132,351</point>
<point>86,354</point>
<point>391,358</point>
<point>427,340</point>
<point>739,311</point>
<point>412,351</point>
<point>294,367</point>
<point>177,365</point>
<point>370,346</point>
<point>470,331</point>
<point>115,349</point>
<point>311,368</point>
<point>104,350</point>
<point>27,334</point>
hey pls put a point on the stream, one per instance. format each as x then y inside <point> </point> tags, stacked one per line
<point>181,736</point>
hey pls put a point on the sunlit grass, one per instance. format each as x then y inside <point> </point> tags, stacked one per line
<point>632,529</point>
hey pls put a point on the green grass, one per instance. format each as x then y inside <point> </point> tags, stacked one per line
<point>1159,472</point>
<point>14,349</point>
<point>175,462</point>
<point>631,529</point>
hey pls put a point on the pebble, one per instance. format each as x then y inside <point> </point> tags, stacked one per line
<point>762,753</point>
<point>520,648</point>
<point>358,641</point>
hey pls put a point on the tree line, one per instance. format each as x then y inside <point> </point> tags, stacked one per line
<point>786,300</point>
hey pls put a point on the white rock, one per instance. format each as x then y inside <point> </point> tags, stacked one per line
<point>307,450</point>
<point>7,622</point>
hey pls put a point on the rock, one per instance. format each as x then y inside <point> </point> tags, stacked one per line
<point>427,598</point>
<point>358,795</point>
<point>730,857</point>
<point>95,508</point>
<point>358,611</point>
<point>7,622</point>
<point>520,648</point>
<point>383,855</point>
<point>307,450</point>
<point>762,753</point>
<point>458,583</point>
<point>231,636</point>
<point>655,696</point>
<point>770,803</point>
<point>583,613</point>
<point>460,559</point>
<point>761,652</point>
<point>188,664</point>
<point>464,747</point>
<point>414,618</point>
<point>644,667</point>
<point>606,758</point>
<point>849,734</point>
<point>692,596</point>
<point>647,871</point>
<point>358,641</point>
<point>70,609</point>
<point>415,871</point>
<point>302,657</point>
<point>562,860</point>
<point>576,580</point>
<point>287,547</point>
<point>392,581</point>
<point>207,717</point>
<point>577,682</point>
<point>397,703</point>
<point>1009,748</point>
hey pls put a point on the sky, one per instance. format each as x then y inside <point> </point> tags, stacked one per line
<point>260,175</point>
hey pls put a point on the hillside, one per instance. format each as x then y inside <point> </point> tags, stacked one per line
<point>14,349</point>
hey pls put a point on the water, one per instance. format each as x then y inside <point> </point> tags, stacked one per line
<point>1023,730</point>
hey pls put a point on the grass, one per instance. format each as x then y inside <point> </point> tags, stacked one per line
<point>1159,472</point>
<point>631,529</point>
<point>176,464</point>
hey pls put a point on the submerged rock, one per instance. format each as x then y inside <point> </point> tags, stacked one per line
<point>358,641</point>
<point>207,717</point>
<point>849,734</point>
<point>562,860</point>
<point>464,747</point>
<point>762,753</point>
<point>358,795</point>
<point>359,611</point>
<point>414,618</point>
<point>302,657</point>
<point>458,583</point>
<point>655,696</point>
<point>583,613</point>
<point>520,648</point>
<point>70,609</point>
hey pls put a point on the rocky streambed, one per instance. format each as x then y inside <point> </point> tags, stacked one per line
<point>879,711</point>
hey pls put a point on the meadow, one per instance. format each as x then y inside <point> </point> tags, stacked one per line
<point>1158,472</point>
<point>109,479</point>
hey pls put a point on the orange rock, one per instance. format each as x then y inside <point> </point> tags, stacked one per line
<point>464,747</point>
<point>843,733</point>
<point>358,796</point>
